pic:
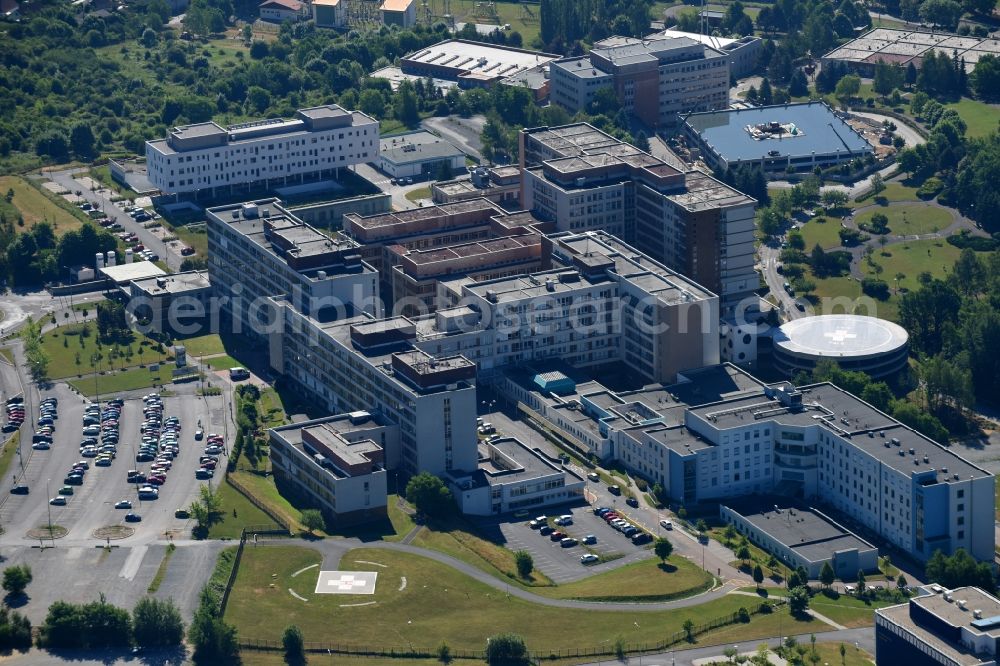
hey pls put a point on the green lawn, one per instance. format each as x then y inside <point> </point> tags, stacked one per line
<point>911,220</point>
<point>980,118</point>
<point>893,192</point>
<point>642,581</point>
<point>419,193</point>
<point>912,258</point>
<point>8,453</point>
<point>222,362</point>
<point>829,653</point>
<point>197,239</point>
<point>847,610</point>
<point>826,233</point>
<point>507,12</point>
<point>35,207</point>
<point>264,490</point>
<point>126,380</point>
<point>230,525</point>
<point>71,353</point>
<point>841,294</point>
<point>202,345</point>
<point>439,604</point>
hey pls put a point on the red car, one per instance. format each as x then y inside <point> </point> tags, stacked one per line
<point>156,479</point>
<point>557,536</point>
<point>208,465</point>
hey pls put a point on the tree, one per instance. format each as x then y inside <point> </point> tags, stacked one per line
<point>798,600</point>
<point>944,13</point>
<point>312,520</point>
<point>743,552</point>
<point>372,102</point>
<point>641,141</point>
<point>663,549</point>
<point>798,86</point>
<point>826,575</point>
<point>887,78</point>
<point>878,183</point>
<point>901,582</point>
<point>506,650</point>
<point>758,575</point>
<point>294,645</point>
<point>429,495</point>
<point>405,108</point>
<point>848,88</point>
<point>986,78</point>
<point>16,579</point>
<point>157,623</point>
<point>213,639</point>
<point>81,140</point>
<point>525,563</point>
<point>688,628</point>
<point>861,583</point>
<point>832,198</point>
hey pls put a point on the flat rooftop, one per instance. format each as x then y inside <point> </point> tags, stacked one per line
<point>352,453</point>
<point>574,139</point>
<point>416,147</point>
<point>817,130</point>
<point>331,431</point>
<point>395,76</point>
<point>951,614</point>
<point>869,429</point>
<point>175,283</point>
<point>841,336</point>
<point>468,57</point>
<point>416,220</point>
<point>703,192</point>
<point>906,46</point>
<point>798,527</point>
<point>630,264</point>
<point>624,51</point>
<point>124,273</point>
<point>302,239</point>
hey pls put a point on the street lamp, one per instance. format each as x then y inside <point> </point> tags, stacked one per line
<point>48,505</point>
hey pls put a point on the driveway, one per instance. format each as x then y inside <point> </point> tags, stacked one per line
<point>101,199</point>
<point>397,192</point>
<point>768,266</point>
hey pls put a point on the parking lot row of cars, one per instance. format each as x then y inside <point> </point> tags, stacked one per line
<point>540,523</point>
<point>160,445</point>
<point>615,520</point>
<point>45,427</point>
<point>15,414</point>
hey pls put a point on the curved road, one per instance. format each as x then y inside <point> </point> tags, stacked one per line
<point>333,549</point>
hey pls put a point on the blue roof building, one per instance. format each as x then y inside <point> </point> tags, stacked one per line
<point>801,136</point>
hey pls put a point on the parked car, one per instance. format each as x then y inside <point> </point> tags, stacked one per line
<point>589,558</point>
<point>594,476</point>
<point>19,490</point>
<point>557,536</point>
<point>615,490</point>
<point>565,519</point>
<point>632,502</point>
<point>545,530</point>
<point>666,524</point>
<point>641,538</point>
<point>123,504</point>
<point>58,500</point>
<point>132,517</point>
<point>568,542</point>
<point>589,539</point>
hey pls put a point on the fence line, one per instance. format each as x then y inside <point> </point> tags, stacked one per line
<point>232,574</point>
<point>257,503</point>
<point>410,651</point>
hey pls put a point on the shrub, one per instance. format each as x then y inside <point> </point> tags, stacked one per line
<point>978,243</point>
<point>930,188</point>
<point>875,288</point>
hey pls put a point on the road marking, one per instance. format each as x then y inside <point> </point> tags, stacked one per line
<point>132,562</point>
<point>304,569</point>
<point>374,564</point>
<point>365,603</point>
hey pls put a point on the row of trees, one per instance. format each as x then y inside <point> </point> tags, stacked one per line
<point>98,624</point>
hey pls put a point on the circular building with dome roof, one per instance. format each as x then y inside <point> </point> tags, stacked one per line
<point>855,342</point>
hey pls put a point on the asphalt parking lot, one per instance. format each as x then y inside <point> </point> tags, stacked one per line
<point>91,506</point>
<point>563,565</point>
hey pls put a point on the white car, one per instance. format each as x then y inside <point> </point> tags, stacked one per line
<point>666,524</point>
<point>58,501</point>
<point>589,558</point>
<point>564,520</point>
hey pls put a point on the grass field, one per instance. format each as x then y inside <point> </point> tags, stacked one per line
<point>72,354</point>
<point>911,220</point>
<point>826,233</point>
<point>419,193</point>
<point>237,513</point>
<point>264,490</point>
<point>980,118</point>
<point>839,295</point>
<point>642,581</point>
<point>846,610</point>
<point>829,653</point>
<point>202,345</point>
<point>439,604</point>
<point>196,239</point>
<point>221,362</point>
<point>911,259</point>
<point>35,207</point>
<point>126,380</point>
<point>893,192</point>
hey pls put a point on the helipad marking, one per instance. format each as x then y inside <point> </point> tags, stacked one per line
<point>296,595</point>
<point>346,582</point>
<point>311,566</point>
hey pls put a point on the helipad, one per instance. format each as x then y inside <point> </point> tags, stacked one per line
<point>346,582</point>
<point>876,346</point>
